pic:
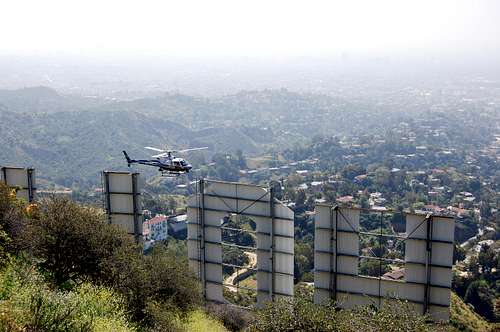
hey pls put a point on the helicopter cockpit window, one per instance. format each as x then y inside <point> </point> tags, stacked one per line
<point>183,163</point>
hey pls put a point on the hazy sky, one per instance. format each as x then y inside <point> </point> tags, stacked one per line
<point>248,28</point>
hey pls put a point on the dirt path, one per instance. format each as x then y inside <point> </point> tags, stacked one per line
<point>252,256</point>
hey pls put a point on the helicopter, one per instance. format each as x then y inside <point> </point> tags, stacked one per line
<point>167,163</point>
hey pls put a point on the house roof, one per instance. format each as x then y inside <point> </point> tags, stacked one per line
<point>395,274</point>
<point>157,219</point>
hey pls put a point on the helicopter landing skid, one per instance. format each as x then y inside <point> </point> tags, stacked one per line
<point>169,174</point>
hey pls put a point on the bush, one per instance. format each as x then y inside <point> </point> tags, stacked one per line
<point>74,242</point>
<point>299,314</point>
<point>394,316</point>
<point>160,278</point>
<point>296,314</point>
<point>482,297</point>
<point>164,317</point>
<point>28,303</point>
<point>12,219</point>
<point>233,318</point>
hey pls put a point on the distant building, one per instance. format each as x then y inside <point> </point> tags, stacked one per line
<point>459,212</point>
<point>345,199</point>
<point>316,185</point>
<point>303,186</point>
<point>157,228</point>
<point>177,226</point>
<point>434,208</point>
<point>360,178</point>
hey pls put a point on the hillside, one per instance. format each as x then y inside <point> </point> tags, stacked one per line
<point>465,319</point>
<point>75,146</point>
<point>61,134</point>
<point>70,139</point>
<point>43,100</point>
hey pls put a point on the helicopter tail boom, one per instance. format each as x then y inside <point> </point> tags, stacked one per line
<point>129,161</point>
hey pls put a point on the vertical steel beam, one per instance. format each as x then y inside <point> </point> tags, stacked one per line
<point>4,172</point>
<point>107,195</point>
<point>428,241</point>
<point>135,203</point>
<point>31,191</point>
<point>333,251</point>
<point>201,227</point>
<point>380,261</point>
<point>336,251</point>
<point>332,238</point>
<point>271,249</point>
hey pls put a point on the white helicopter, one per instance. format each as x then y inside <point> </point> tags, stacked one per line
<point>166,162</point>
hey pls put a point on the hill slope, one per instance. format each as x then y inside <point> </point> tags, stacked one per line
<point>465,319</point>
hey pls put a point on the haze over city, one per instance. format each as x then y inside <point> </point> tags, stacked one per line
<point>262,44</point>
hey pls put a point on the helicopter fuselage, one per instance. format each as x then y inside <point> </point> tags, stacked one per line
<point>167,165</point>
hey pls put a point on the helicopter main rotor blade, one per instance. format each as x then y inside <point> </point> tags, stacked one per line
<point>160,155</point>
<point>154,149</point>
<point>194,149</point>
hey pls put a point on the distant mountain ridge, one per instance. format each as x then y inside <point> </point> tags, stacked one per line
<point>33,99</point>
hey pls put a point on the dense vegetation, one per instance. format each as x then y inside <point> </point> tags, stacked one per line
<point>79,266</point>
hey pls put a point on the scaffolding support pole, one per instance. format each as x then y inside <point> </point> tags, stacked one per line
<point>271,249</point>
<point>135,203</point>
<point>333,251</point>
<point>108,195</point>
<point>201,227</point>
<point>4,172</point>
<point>428,238</point>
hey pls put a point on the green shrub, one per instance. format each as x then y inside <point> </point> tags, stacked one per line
<point>160,278</point>
<point>12,219</point>
<point>480,295</point>
<point>300,314</point>
<point>29,303</point>
<point>394,316</point>
<point>74,242</point>
<point>233,318</point>
<point>164,317</point>
<point>296,314</point>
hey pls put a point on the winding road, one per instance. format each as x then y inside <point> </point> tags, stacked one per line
<point>232,278</point>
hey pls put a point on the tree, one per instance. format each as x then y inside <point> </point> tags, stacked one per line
<point>382,176</point>
<point>242,163</point>
<point>487,259</point>
<point>352,170</point>
<point>300,201</point>
<point>481,296</point>
<point>277,189</point>
<point>74,242</point>
<point>235,256</point>
<point>303,259</point>
<point>458,253</point>
<point>398,222</point>
<point>373,267</point>
<point>172,204</point>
